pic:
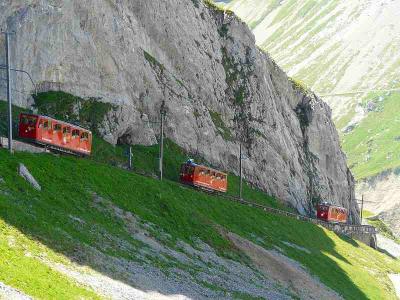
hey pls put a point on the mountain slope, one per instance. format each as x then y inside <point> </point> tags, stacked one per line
<point>344,51</point>
<point>199,64</point>
<point>333,46</point>
<point>349,53</point>
<point>118,232</point>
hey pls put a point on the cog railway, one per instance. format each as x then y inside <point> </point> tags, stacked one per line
<point>68,138</point>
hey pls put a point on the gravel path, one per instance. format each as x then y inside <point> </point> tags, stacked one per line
<point>9,293</point>
<point>388,245</point>
<point>396,282</point>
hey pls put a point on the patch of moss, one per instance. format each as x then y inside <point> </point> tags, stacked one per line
<point>153,61</point>
<point>223,30</point>
<point>240,95</point>
<point>299,85</point>
<point>196,3</point>
<point>220,125</point>
<point>88,113</point>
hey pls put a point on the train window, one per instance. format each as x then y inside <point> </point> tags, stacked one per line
<point>84,136</point>
<point>190,170</point>
<point>24,120</point>
<point>46,124</point>
<point>212,174</point>
<point>202,172</point>
<point>207,172</point>
<point>57,127</point>
<point>32,121</point>
<point>66,130</point>
<point>75,133</point>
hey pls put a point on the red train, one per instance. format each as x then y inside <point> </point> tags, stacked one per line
<point>331,213</point>
<point>203,177</point>
<point>55,134</point>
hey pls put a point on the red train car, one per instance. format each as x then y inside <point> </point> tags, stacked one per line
<point>331,213</point>
<point>55,134</point>
<point>203,177</point>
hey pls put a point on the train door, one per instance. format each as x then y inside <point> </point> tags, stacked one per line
<point>57,134</point>
<point>84,141</point>
<point>45,130</point>
<point>201,175</point>
<point>28,126</point>
<point>221,182</point>
<point>213,182</point>
<point>66,136</point>
<point>75,138</point>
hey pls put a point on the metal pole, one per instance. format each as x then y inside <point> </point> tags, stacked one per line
<point>162,113</point>
<point>362,206</point>
<point>130,157</point>
<point>8,77</point>
<point>241,172</point>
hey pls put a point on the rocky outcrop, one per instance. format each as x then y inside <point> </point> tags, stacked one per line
<point>381,196</point>
<point>24,173</point>
<point>200,63</point>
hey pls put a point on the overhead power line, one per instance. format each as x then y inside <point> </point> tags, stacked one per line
<point>357,92</point>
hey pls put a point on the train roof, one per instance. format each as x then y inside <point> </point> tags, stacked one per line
<point>331,205</point>
<point>205,167</point>
<point>62,122</point>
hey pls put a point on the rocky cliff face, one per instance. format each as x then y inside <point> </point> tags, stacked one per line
<point>203,66</point>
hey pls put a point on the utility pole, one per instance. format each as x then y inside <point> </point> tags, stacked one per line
<point>362,206</point>
<point>130,157</point>
<point>8,78</point>
<point>162,115</point>
<point>241,172</point>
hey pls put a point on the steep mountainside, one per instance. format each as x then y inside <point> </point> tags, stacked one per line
<point>199,63</point>
<point>349,53</point>
<point>333,46</point>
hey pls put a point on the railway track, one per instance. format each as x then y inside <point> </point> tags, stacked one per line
<point>337,227</point>
<point>331,226</point>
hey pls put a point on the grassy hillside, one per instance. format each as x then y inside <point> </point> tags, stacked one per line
<point>40,229</point>
<point>374,143</point>
<point>40,222</point>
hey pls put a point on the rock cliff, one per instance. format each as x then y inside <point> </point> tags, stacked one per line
<point>202,65</point>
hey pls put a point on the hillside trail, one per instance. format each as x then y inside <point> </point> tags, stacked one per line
<point>283,270</point>
<point>388,245</point>
<point>9,293</point>
<point>396,282</point>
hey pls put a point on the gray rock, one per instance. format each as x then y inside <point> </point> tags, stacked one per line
<point>24,172</point>
<point>218,87</point>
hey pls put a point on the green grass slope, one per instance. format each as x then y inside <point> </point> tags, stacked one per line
<point>41,221</point>
<point>373,145</point>
<point>37,227</point>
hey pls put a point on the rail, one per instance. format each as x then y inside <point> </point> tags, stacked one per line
<point>331,226</point>
<point>345,228</point>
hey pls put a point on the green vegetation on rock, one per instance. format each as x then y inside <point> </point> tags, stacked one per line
<point>88,113</point>
<point>220,125</point>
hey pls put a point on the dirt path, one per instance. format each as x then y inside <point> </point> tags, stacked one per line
<point>284,270</point>
<point>388,245</point>
<point>396,282</point>
<point>9,293</point>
